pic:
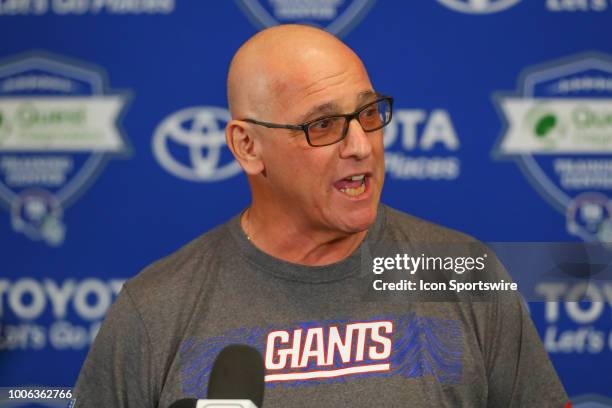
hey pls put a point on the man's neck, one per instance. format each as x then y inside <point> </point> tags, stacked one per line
<point>295,243</point>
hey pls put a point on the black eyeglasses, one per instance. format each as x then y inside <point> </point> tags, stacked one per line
<point>328,130</point>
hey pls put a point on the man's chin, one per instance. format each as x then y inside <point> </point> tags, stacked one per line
<point>359,220</point>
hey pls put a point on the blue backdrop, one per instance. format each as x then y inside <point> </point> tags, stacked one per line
<point>112,152</point>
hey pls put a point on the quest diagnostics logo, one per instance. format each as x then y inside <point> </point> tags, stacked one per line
<point>190,144</point>
<point>559,132</point>
<point>336,16</point>
<point>479,6</point>
<point>58,127</point>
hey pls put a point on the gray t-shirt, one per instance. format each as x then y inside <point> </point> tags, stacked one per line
<point>325,343</point>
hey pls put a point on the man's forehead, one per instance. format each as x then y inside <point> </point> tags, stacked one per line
<point>334,106</point>
<point>287,66</point>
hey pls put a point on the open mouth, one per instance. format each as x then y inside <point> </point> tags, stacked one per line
<point>352,186</point>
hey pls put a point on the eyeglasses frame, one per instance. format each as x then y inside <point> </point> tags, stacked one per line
<point>348,116</point>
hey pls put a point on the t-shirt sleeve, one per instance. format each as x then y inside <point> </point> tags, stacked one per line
<point>117,370</point>
<point>520,373</point>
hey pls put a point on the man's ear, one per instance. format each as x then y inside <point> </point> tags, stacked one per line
<point>244,147</point>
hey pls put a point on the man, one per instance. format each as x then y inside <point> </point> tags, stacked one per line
<point>286,275</point>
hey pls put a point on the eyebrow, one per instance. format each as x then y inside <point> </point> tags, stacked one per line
<point>365,95</point>
<point>332,107</point>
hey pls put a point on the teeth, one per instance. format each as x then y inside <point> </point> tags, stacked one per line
<point>353,191</point>
<point>360,177</point>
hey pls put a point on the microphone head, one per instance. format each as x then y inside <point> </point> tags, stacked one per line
<point>238,373</point>
<point>184,403</point>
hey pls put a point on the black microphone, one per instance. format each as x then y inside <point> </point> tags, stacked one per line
<point>238,373</point>
<point>237,376</point>
<point>184,403</point>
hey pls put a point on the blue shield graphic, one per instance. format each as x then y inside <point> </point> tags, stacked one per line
<point>558,130</point>
<point>336,16</point>
<point>58,128</point>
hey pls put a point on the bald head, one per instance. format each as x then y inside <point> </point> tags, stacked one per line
<point>294,74</point>
<point>280,63</point>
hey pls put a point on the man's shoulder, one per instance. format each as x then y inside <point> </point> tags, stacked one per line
<point>409,228</point>
<point>179,274</point>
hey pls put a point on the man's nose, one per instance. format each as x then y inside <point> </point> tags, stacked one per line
<point>357,143</point>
